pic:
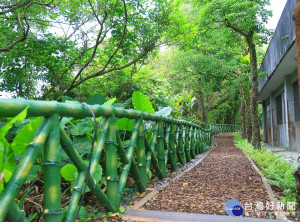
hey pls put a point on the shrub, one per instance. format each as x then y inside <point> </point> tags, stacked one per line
<point>278,172</point>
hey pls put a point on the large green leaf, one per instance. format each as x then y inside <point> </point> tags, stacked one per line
<point>141,102</point>
<point>96,99</point>
<point>109,102</point>
<point>7,160</point>
<point>82,144</point>
<point>18,118</point>
<point>25,136</point>
<point>82,213</point>
<point>69,172</point>
<point>166,111</point>
<point>98,173</point>
<point>125,124</point>
<point>83,127</point>
<point>65,120</point>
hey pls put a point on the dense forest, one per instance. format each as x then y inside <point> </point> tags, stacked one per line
<point>198,57</point>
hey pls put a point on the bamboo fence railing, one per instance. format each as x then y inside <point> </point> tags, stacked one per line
<point>172,141</point>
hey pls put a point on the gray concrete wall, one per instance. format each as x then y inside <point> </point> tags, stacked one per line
<point>282,40</point>
<point>294,132</point>
<point>286,134</point>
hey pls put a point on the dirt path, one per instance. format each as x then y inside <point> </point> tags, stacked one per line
<point>224,174</point>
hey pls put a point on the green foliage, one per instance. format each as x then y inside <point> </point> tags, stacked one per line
<point>83,127</point>
<point>25,136</point>
<point>165,111</point>
<point>69,172</point>
<point>106,37</point>
<point>125,124</point>
<point>7,158</point>
<point>96,99</point>
<point>141,102</point>
<point>276,169</point>
<point>18,118</point>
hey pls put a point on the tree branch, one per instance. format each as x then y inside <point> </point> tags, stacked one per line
<point>229,25</point>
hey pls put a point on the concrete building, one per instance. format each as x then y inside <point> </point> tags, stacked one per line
<point>278,91</point>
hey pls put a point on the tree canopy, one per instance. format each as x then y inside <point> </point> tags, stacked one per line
<point>197,56</point>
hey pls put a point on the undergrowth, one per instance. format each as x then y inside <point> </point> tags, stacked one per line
<point>278,172</point>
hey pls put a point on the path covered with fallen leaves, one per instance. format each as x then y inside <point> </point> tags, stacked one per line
<point>225,173</point>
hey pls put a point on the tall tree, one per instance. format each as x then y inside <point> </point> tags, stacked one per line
<point>245,19</point>
<point>103,37</point>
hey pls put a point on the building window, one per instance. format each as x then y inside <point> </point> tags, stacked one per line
<point>279,109</point>
<point>296,101</point>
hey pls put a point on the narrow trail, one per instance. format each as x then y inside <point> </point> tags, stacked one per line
<point>224,174</point>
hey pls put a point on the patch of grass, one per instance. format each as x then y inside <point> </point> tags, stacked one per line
<point>278,172</point>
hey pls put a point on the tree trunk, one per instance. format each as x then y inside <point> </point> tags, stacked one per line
<point>254,89</point>
<point>245,98</point>
<point>243,118</point>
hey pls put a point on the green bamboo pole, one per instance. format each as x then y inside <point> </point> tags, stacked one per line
<point>77,191</point>
<point>153,159</point>
<point>15,213</point>
<point>129,157</point>
<point>121,151</point>
<point>187,148</point>
<point>141,154</point>
<point>136,175</point>
<point>170,141</point>
<point>173,148</point>
<point>161,149</point>
<point>52,180</point>
<point>81,167</point>
<point>78,185</point>
<point>111,163</point>
<point>180,150</point>
<point>12,107</point>
<point>166,152</point>
<point>148,163</point>
<point>196,133</point>
<point>19,176</point>
<point>192,143</point>
<point>201,141</point>
<point>100,143</point>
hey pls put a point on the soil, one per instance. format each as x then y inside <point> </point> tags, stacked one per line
<point>224,174</point>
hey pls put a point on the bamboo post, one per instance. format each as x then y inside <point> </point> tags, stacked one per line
<point>170,141</point>
<point>197,141</point>
<point>161,149</point>
<point>180,150</point>
<point>153,159</point>
<point>141,154</point>
<point>187,148</point>
<point>121,151</point>
<point>111,163</point>
<point>192,143</point>
<point>19,176</point>
<point>15,213</point>
<point>128,167</point>
<point>51,166</point>
<point>81,167</point>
